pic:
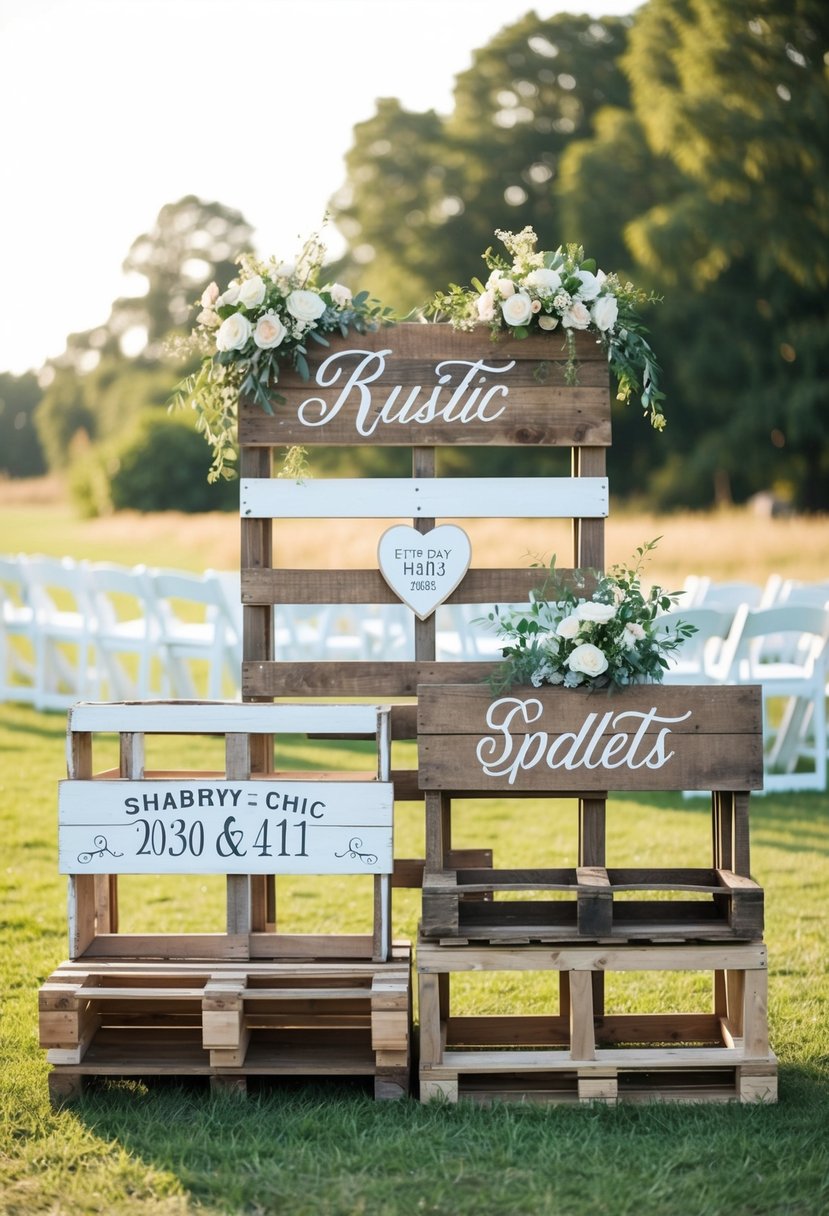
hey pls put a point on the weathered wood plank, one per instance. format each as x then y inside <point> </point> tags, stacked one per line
<point>478,586</point>
<point>432,385</point>
<point>648,737</point>
<point>359,678</point>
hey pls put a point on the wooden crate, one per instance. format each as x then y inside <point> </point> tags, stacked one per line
<point>229,1023</point>
<point>248,822</point>
<point>578,1053</point>
<point>556,743</point>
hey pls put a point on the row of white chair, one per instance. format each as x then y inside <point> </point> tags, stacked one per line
<point>76,629</point>
<point>780,641</point>
<point>83,630</point>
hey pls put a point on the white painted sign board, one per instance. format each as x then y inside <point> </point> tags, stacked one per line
<point>218,826</point>
<point>423,569</point>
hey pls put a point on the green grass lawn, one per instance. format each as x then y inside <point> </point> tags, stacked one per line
<point>328,1149</point>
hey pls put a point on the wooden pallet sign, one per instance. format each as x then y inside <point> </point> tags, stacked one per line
<point>564,742</point>
<point>248,822</point>
<point>212,826</point>
<point>424,385</point>
<point>649,737</point>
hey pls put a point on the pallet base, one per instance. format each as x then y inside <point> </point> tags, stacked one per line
<point>582,1054</point>
<point>229,1023</point>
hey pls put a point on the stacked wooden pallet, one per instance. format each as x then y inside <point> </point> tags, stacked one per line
<point>696,739</point>
<point>251,1001</point>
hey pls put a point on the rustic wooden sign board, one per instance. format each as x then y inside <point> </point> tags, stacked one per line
<point>225,827</point>
<point>649,737</point>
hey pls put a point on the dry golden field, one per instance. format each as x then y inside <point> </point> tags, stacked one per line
<point>724,545</point>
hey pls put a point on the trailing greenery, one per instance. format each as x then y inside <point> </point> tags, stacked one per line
<point>329,1149</point>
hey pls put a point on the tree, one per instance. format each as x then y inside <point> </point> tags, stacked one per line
<point>424,195</point>
<point>20,451</point>
<point>108,375</point>
<point>735,94</point>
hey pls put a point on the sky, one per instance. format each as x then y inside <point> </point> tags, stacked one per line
<point>112,108</point>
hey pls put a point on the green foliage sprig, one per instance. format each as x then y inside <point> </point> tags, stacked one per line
<point>544,291</point>
<point>265,320</point>
<point>575,637</point>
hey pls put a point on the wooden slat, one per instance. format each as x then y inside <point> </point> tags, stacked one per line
<point>479,586</point>
<point>205,717</point>
<point>354,679</point>
<point>427,498</point>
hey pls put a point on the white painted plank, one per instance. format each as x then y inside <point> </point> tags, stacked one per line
<point>413,498</point>
<point>231,717</point>
<point>225,827</point>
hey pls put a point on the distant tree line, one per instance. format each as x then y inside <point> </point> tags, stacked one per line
<point>684,148</point>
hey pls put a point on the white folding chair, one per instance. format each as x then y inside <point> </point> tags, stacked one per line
<point>64,651</point>
<point>785,650</point>
<point>195,626</point>
<point>728,595</point>
<point>17,634</point>
<point>460,634</point>
<point>699,660</point>
<point>125,631</point>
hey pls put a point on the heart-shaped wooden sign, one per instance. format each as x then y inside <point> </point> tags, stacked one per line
<point>423,569</point>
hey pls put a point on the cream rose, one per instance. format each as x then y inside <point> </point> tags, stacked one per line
<point>505,288</point>
<point>517,309</point>
<point>269,331</point>
<point>577,316</point>
<point>340,294</point>
<point>209,318</point>
<point>485,305</point>
<point>590,285</point>
<point>305,305</point>
<point>568,627</point>
<point>544,281</point>
<point>252,291</point>
<point>233,332</point>
<point>547,322</point>
<point>230,295</point>
<point>596,614</point>
<point>588,660</point>
<point>604,312</point>
<point>209,296</point>
<point>631,634</point>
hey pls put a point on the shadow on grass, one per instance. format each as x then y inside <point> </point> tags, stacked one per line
<point>331,1149</point>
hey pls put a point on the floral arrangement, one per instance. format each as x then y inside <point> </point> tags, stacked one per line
<point>609,637</point>
<point>540,290</point>
<point>264,320</point>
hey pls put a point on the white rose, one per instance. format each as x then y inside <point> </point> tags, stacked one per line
<point>230,295</point>
<point>568,627</point>
<point>233,332</point>
<point>485,304</point>
<point>576,316</point>
<point>590,285</point>
<point>209,318</point>
<point>340,295</point>
<point>544,281</point>
<point>631,634</point>
<point>547,322</point>
<point>252,291</point>
<point>209,296</point>
<point>517,309</point>
<point>305,305</point>
<point>605,311</point>
<point>588,659</point>
<point>269,331</point>
<point>505,288</point>
<point>597,614</point>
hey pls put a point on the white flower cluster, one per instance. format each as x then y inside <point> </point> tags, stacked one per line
<point>554,288</point>
<point>611,638</point>
<point>263,313</point>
